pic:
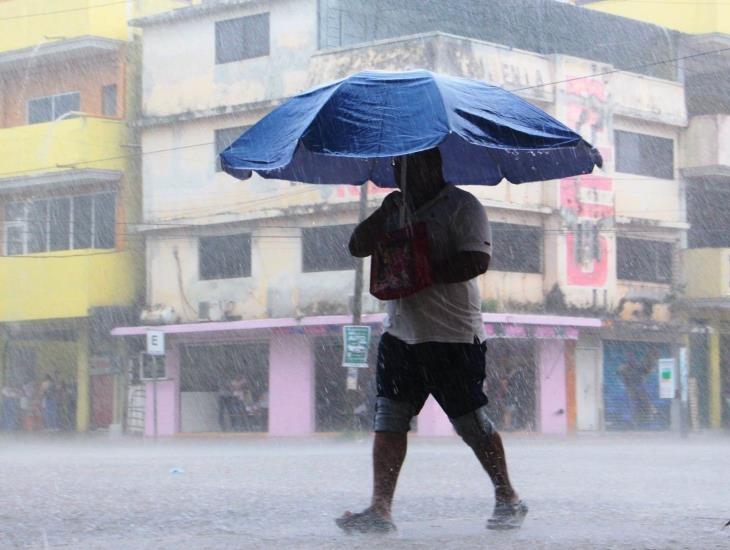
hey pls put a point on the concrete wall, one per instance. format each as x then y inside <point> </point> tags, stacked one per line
<point>706,143</point>
<point>172,87</point>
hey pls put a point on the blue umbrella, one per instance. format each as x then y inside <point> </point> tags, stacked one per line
<point>349,130</point>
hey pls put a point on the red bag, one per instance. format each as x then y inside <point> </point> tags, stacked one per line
<point>400,265</point>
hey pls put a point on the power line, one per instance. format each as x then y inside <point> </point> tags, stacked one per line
<point>67,10</point>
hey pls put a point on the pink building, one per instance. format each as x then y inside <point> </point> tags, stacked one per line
<point>298,385</point>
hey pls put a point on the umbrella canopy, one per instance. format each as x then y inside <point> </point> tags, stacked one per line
<point>349,130</point>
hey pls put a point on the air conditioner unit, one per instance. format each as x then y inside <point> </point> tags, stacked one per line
<point>216,310</point>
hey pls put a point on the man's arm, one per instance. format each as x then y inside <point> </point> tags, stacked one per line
<point>460,267</point>
<point>368,233</point>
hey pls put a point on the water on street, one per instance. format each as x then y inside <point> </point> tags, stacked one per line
<point>631,491</point>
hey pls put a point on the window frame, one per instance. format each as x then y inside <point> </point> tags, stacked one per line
<point>25,224</point>
<point>53,98</point>
<point>346,228</point>
<point>638,149</point>
<point>219,39</point>
<point>621,274</point>
<point>539,234</point>
<point>104,98</point>
<point>247,269</point>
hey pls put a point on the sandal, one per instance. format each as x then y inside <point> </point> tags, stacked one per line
<point>507,516</point>
<point>365,522</point>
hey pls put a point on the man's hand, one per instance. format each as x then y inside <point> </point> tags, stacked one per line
<point>463,266</point>
<point>367,235</point>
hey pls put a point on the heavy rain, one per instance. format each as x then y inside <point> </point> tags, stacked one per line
<point>338,274</point>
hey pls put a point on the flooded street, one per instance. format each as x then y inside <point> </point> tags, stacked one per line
<point>648,491</point>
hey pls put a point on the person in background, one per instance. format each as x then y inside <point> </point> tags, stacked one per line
<point>49,403</point>
<point>11,408</point>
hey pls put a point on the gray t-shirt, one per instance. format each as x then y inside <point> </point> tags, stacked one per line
<point>456,222</point>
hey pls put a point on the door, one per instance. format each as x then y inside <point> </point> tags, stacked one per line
<point>586,388</point>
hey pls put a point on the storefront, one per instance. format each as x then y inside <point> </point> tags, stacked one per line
<point>293,380</point>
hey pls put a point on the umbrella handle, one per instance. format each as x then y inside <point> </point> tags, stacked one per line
<point>403,185</point>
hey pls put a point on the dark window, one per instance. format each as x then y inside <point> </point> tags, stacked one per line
<point>59,224</point>
<point>242,38</point>
<point>644,155</point>
<point>109,100</point>
<point>40,110</point>
<point>104,220</point>
<point>326,248</point>
<point>644,260</point>
<point>516,248</point>
<point>83,222</point>
<point>46,109</point>
<point>227,257</point>
<point>223,138</point>
<point>37,237</point>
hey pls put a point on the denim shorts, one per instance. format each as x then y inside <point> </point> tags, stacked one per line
<point>452,372</point>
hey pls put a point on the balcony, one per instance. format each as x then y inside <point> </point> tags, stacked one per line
<point>74,143</point>
<point>37,22</point>
<point>706,274</point>
<point>707,147</point>
<point>64,284</point>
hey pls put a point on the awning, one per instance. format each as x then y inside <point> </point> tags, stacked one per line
<point>498,325</point>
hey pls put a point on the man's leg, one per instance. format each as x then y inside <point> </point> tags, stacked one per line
<point>389,452</point>
<point>392,422</point>
<point>477,431</point>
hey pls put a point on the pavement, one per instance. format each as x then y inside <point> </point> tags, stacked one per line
<point>631,491</point>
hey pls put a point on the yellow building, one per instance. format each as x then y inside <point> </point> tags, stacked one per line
<point>705,169</point>
<point>70,265</point>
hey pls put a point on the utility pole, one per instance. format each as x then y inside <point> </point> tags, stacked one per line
<point>352,374</point>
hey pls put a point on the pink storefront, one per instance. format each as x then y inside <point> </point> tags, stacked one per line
<point>299,386</point>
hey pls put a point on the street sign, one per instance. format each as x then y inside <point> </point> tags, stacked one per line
<point>156,342</point>
<point>667,381</point>
<point>356,342</point>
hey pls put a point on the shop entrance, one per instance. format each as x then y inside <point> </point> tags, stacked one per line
<point>337,408</point>
<point>224,387</point>
<point>511,385</point>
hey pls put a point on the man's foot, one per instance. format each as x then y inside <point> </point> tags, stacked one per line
<point>507,515</point>
<point>366,521</point>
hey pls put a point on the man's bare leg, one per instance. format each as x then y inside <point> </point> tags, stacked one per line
<point>389,452</point>
<point>491,455</point>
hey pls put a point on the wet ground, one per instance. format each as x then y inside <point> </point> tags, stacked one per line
<point>585,492</point>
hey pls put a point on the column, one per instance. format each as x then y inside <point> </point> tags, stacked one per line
<point>291,385</point>
<point>715,379</point>
<point>552,379</point>
<point>82,377</point>
<point>168,397</point>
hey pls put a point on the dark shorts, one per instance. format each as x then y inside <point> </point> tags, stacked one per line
<point>452,373</point>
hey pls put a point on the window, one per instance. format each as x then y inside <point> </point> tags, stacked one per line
<point>644,155</point>
<point>109,100</point>
<point>46,109</point>
<point>516,248</point>
<point>61,223</point>
<point>326,248</point>
<point>227,257</point>
<point>223,139</point>
<point>644,260</point>
<point>242,38</point>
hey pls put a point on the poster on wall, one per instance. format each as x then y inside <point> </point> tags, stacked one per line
<point>667,382</point>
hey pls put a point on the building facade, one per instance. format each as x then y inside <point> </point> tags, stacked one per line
<point>704,169</point>
<point>254,276</point>
<point>69,191</point>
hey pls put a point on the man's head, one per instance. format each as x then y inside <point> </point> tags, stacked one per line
<point>424,173</point>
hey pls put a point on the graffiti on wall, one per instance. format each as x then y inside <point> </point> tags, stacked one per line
<point>587,202</point>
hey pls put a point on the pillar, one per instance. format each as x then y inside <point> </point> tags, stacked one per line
<point>168,397</point>
<point>82,377</point>
<point>552,380</point>
<point>291,385</point>
<point>715,379</point>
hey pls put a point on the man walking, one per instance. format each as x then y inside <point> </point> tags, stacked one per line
<point>434,338</point>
